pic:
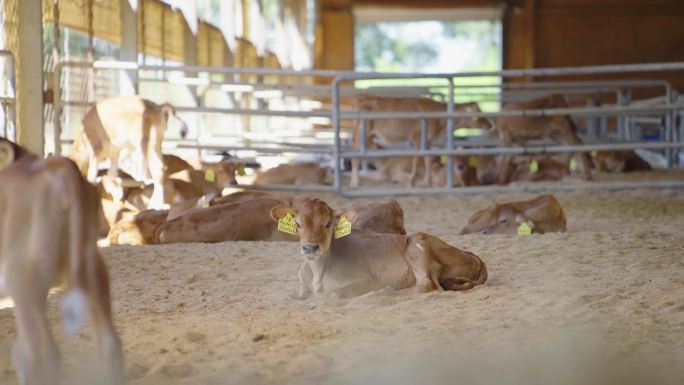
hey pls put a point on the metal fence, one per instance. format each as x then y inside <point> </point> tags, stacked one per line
<point>668,111</point>
<point>8,96</point>
<point>662,111</point>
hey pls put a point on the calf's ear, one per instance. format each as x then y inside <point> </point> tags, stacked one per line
<point>521,218</point>
<point>281,211</point>
<point>6,154</point>
<point>348,213</point>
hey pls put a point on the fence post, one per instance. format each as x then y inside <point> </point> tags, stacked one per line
<point>450,137</point>
<point>336,128</point>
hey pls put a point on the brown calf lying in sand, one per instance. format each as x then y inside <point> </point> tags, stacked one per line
<point>362,261</point>
<point>243,221</point>
<point>137,228</point>
<point>542,214</point>
<point>402,130</point>
<point>382,217</point>
<point>249,220</point>
<point>297,174</point>
<point>484,170</point>
<point>620,161</point>
<point>518,130</point>
<point>48,238</point>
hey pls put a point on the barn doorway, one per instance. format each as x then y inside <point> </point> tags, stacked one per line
<point>432,41</point>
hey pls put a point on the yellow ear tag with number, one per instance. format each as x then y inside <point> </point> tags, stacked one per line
<point>593,154</point>
<point>472,161</point>
<point>573,165</point>
<point>241,170</point>
<point>287,224</point>
<point>343,228</point>
<point>524,229</point>
<point>443,160</point>
<point>534,166</point>
<point>210,176</point>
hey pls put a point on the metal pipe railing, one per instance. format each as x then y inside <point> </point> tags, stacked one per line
<point>8,102</point>
<point>535,188</point>
<point>621,111</point>
<point>669,107</point>
<point>524,150</point>
<point>574,111</point>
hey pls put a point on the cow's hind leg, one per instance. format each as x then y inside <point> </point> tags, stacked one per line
<point>423,266</point>
<point>34,355</point>
<point>110,357</point>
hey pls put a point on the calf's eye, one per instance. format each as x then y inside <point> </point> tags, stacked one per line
<point>503,220</point>
<point>485,231</point>
<point>327,225</point>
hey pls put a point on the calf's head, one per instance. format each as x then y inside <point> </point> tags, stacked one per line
<point>223,173</point>
<point>500,219</point>
<point>315,223</point>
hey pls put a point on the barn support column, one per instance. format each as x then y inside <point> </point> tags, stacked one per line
<point>128,85</point>
<point>335,35</point>
<point>30,129</point>
<point>519,35</point>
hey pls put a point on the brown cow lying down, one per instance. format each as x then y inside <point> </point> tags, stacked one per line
<point>542,214</point>
<point>242,221</point>
<point>177,210</point>
<point>297,174</point>
<point>249,220</point>
<point>483,170</point>
<point>518,130</point>
<point>620,161</point>
<point>397,169</point>
<point>136,228</point>
<point>539,168</point>
<point>382,217</point>
<point>48,238</point>
<point>341,262</point>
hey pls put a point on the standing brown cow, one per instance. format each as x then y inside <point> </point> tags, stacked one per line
<point>48,237</point>
<point>122,126</point>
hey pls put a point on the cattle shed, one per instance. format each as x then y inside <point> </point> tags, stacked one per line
<point>342,191</point>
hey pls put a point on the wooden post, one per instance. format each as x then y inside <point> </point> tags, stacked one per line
<point>30,129</point>
<point>129,47</point>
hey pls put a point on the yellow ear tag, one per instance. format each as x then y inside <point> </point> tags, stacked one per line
<point>573,165</point>
<point>534,166</point>
<point>4,157</point>
<point>343,228</point>
<point>210,176</point>
<point>287,224</point>
<point>524,229</point>
<point>593,154</point>
<point>443,160</point>
<point>472,161</point>
<point>241,171</point>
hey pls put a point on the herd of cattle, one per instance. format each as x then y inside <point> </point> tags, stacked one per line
<point>51,217</point>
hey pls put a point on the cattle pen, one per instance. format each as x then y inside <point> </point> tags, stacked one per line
<point>342,192</point>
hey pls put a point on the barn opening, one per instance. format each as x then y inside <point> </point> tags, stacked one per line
<point>432,41</point>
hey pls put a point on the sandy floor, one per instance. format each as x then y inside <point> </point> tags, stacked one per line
<point>603,303</point>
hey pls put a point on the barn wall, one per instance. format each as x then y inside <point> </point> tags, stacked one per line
<point>553,33</point>
<point>335,35</point>
<point>542,33</point>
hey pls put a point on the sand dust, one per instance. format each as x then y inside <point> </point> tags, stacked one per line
<point>602,303</point>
